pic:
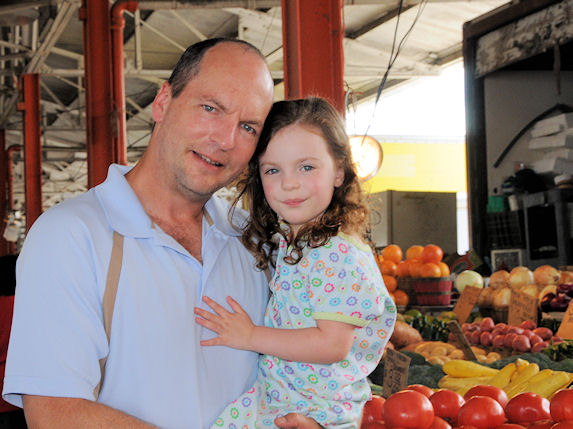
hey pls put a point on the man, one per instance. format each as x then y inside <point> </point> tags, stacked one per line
<point>178,245</point>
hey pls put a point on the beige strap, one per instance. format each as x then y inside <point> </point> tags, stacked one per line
<point>109,295</point>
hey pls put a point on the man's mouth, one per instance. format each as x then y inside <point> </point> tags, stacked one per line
<point>208,160</point>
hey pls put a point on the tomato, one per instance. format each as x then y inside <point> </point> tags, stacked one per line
<point>493,392</point>
<point>566,424</point>
<point>561,405</point>
<point>440,423</point>
<point>482,412</point>
<point>541,424</point>
<point>373,425</point>
<point>446,403</point>
<point>373,409</point>
<point>408,409</point>
<point>424,390</point>
<point>510,426</point>
<point>527,407</point>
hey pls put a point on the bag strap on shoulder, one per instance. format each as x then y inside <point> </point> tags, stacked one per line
<point>108,304</point>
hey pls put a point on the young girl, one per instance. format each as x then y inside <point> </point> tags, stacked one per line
<point>329,315</point>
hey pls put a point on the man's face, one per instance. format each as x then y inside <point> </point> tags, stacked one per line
<point>207,134</point>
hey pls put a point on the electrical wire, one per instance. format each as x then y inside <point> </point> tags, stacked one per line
<point>394,56</point>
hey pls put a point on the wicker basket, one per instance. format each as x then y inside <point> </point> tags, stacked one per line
<point>433,291</point>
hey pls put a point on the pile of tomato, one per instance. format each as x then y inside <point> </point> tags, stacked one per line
<point>482,407</point>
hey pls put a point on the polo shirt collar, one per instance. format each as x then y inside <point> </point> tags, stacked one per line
<point>122,208</point>
<point>126,215</point>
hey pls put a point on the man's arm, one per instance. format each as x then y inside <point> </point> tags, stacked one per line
<point>50,412</point>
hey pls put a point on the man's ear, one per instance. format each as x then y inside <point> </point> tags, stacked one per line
<point>161,102</point>
<point>339,179</point>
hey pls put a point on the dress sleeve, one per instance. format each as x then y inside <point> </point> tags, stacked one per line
<point>343,285</point>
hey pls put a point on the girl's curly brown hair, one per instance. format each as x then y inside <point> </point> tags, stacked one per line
<point>346,212</point>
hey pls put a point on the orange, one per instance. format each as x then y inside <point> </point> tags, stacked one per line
<point>445,269</point>
<point>392,296</point>
<point>402,269</point>
<point>388,267</point>
<point>392,252</point>
<point>390,282</point>
<point>432,253</point>
<point>401,297</point>
<point>414,252</point>
<point>429,269</point>
<point>414,266</point>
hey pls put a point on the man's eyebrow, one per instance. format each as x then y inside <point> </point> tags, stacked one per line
<point>224,109</point>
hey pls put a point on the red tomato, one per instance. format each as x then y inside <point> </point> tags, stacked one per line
<point>424,390</point>
<point>446,403</point>
<point>510,426</point>
<point>493,392</point>
<point>373,409</point>
<point>541,424</point>
<point>440,423</point>
<point>527,407</point>
<point>561,405</point>
<point>482,412</point>
<point>566,424</point>
<point>373,425</point>
<point>408,409</point>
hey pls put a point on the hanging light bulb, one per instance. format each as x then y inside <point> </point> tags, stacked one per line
<point>367,155</point>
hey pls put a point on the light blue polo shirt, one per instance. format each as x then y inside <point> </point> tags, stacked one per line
<point>156,369</point>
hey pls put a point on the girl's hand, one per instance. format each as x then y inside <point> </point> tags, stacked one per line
<point>296,421</point>
<point>234,329</point>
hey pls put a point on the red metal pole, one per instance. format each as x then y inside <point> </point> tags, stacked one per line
<point>97,53</point>
<point>3,187</point>
<point>313,32</point>
<point>117,26</point>
<point>32,147</point>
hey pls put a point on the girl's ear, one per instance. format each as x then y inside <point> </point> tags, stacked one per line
<point>339,179</point>
<point>161,102</point>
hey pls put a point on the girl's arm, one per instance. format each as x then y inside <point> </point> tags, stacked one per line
<point>329,342</point>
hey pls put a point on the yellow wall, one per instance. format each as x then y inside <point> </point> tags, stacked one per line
<point>422,167</point>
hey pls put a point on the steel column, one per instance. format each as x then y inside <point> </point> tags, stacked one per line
<point>313,32</point>
<point>97,52</point>
<point>32,147</point>
<point>4,249</point>
<point>117,26</point>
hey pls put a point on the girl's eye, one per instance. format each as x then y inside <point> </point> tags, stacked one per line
<point>208,108</point>
<point>271,171</point>
<point>307,167</point>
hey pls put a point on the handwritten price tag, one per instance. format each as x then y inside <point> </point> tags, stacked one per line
<point>466,303</point>
<point>521,307</point>
<point>566,327</point>
<point>461,340</point>
<point>396,367</point>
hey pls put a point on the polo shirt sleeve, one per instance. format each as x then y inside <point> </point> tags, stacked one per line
<point>57,335</point>
<point>342,287</point>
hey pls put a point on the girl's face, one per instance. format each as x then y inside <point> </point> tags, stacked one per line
<point>299,174</point>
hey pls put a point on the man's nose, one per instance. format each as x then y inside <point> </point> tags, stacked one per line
<point>225,133</point>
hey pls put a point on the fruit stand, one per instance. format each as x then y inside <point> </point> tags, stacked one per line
<point>480,352</point>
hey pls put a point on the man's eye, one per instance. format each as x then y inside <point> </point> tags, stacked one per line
<point>208,108</point>
<point>249,129</point>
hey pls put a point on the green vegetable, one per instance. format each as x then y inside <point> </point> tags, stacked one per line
<point>430,328</point>
<point>561,351</point>
<point>542,359</point>
<point>419,372</point>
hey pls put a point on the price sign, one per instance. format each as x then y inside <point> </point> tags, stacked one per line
<point>396,367</point>
<point>461,340</point>
<point>566,327</point>
<point>521,307</point>
<point>466,303</point>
